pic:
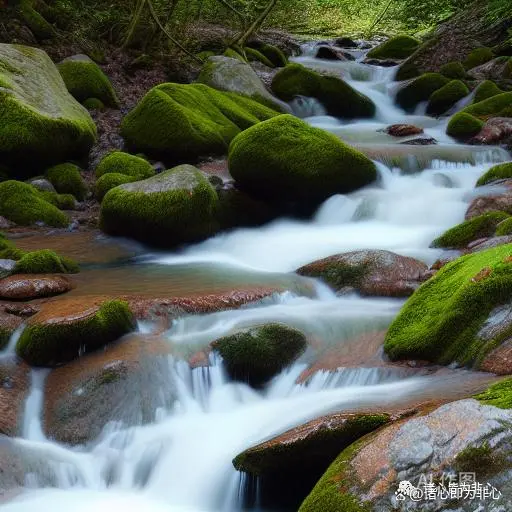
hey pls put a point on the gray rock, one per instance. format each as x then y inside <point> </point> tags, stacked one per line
<point>42,184</point>
<point>6,267</point>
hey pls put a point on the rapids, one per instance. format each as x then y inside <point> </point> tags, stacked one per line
<point>181,462</point>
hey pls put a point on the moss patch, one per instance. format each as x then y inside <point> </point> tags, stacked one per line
<point>287,160</point>
<point>478,57</point>
<point>258,354</point>
<point>84,79</point>
<point>8,251</point>
<point>498,172</point>
<point>504,227</point>
<point>45,262</point>
<point>463,125</point>
<point>499,394</point>
<point>461,235</point>
<point>399,47</point>
<point>445,98</point>
<point>420,90</point>
<point>255,55</point>
<point>61,201</point>
<point>24,205</point>
<point>496,106</point>
<point>440,321</point>
<point>93,104</point>
<point>273,54</point>
<point>109,181</point>
<point>66,179</point>
<point>35,21</point>
<point>453,70</point>
<point>124,163</point>
<point>336,96</point>
<point>485,90</point>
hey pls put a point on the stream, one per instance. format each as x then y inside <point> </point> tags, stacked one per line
<point>181,461</point>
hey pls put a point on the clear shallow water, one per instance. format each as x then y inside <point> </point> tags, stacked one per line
<point>182,461</point>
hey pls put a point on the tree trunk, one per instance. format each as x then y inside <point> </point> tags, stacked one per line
<point>256,25</point>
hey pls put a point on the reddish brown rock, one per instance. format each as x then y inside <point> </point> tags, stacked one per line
<point>370,272</point>
<point>14,385</point>
<point>21,309</point>
<point>403,130</point>
<point>499,361</point>
<point>497,130</point>
<point>485,204</point>
<point>8,324</point>
<point>125,382</point>
<point>27,287</point>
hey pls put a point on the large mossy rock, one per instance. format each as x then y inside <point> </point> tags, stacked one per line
<point>25,205</point>
<point>64,330</point>
<point>232,75</point>
<point>463,126</point>
<point>499,105</point>
<point>172,208</point>
<point>84,79</point>
<point>45,261</point>
<point>478,57</point>
<point>338,98</point>
<point>497,172</point>
<point>440,322</point>
<point>420,90</point>
<point>124,163</point>
<point>285,159</point>
<point>487,89</point>
<point>446,97</point>
<point>41,122</point>
<point>175,121</point>
<point>399,47</point>
<point>66,179</point>
<point>258,354</point>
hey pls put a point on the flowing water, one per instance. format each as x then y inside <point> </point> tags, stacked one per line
<point>181,460</point>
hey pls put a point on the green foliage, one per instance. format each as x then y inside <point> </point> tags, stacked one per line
<point>453,70</point>
<point>420,90</point>
<point>477,57</point>
<point>499,394</point>
<point>45,262</point>
<point>24,205</point>
<point>399,47</point>
<point>109,181</point>
<point>443,99</point>
<point>461,235</point>
<point>123,163</point>
<point>66,179</point>
<point>504,227</point>
<point>487,89</point>
<point>463,125</point>
<point>339,98</point>
<point>440,320</point>
<point>498,172</point>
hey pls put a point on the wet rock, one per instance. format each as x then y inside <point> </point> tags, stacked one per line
<point>125,383</point>
<point>14,385</point>
<point>422,141</point>
<point>288,465</point>
<point>385,63</point>
<point>8,324</point>
<point>28,287</point>
<point>256,355</point>
<point>6,267</point>
<point>67,328</point>
<point>403,130</point>
<point>332,53</point>
<point>489,243</point>
<point>21,309</point>
<point>345,42</point>
<point>497,130</point>
<point>462,436</point>
<point>495,69</point>
<point>486,204</point>
<point>370,272</point>
<point>42,184</point>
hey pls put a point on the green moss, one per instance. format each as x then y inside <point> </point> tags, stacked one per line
<point>49,343</point>
<point>258,354</point>
<point>109,181</point>
<point>336,96</point>
<point>477,57</point>
<point>41,123</point>
<point>186,121</point>
<point>440,320</point>
<point>232,54</point>
<point>255,55</point>
<point>61,201</point>
<point>8,251</point>
<point>339,274</point>
<point>473,458</point>
<point>287,160</point>
<point>66,179</point>
<point>462,126</point>
<point>274,55</point>
<point>496,106</point>
<point>34,21</point>
<point>123,163</point>
<point>420,90</point>
<point>407,71</point>
<point>485,90</point>
<point>24,205</point>
<point>499,394</point>
<point>45,262</point>
<point>504,227</point>
<point>172,208</point>
<point>93,104</point>
<point>453,70</point>
<point>443,99</point>
<point>84,79</point>
<point>461,235</point>
<point>399,47</point>
<point>497,172</point>
<point>204,56</point>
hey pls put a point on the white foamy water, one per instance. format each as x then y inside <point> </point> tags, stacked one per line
<point>181,462</point>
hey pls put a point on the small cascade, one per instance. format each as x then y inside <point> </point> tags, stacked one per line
<point>304,107</point>
<point>11,345</point>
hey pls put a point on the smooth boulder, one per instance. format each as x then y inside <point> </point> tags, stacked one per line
<point>28,287</point>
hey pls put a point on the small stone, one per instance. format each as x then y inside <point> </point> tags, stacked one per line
<point>42,184</point>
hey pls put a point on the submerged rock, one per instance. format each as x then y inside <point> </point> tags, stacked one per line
<point>332,53</point>
<point>403,130</point>
<point>370,272</point>
<point>27,287</point>
<point>65,329</point>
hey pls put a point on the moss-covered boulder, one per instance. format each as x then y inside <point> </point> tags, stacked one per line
<point>8,251</point>
<point>453,70</point>
<point>497,395</point>
<point>66,179</point>
<point>61,201</point>
<point>123,163</point>
<point>420,90</point>
<point>445,98</point>
<point>338,98</point>
<point>285,159</point>
<point>93,104</point>
<point>41,122</point>
<point>463,125</point>
<point>273,54</point>
<point>84,79</point>
<point>109,181</point>
<point>487,89</point>
<point>45,262</point>
<point>231,75</point>
<point>461,235</point>
<point>258,354</point>
<point>477,57</point>
<point>499,105</point>
<point>497,172</point>
<point>23,204</point>
<point>441,320</point>
<point>399,47</point>
<point>64,330</point>
<point>504,227</point>
<point>254,55</point>
<point>175,121</point>
<point>230,53</point>
<point>172,208</point>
